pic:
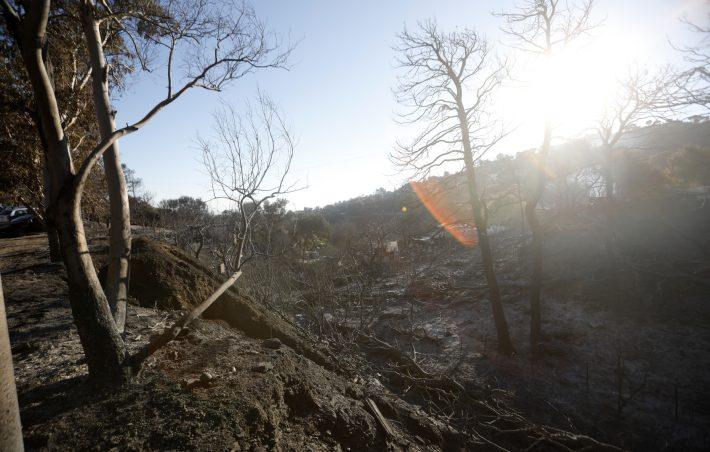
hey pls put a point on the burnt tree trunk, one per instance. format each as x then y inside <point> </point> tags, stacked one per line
<point>505,346</point>
<point>609,212</point>
<point>120,226</point>
<point>536,249</point>
<point>49,194</point>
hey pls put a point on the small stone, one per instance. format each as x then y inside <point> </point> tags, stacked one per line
<point>189,383</point>
<point>273,343</point>
<point>206,377</point>
<point>263,367</point>
<point>193,339</point>
<point>233,369</point>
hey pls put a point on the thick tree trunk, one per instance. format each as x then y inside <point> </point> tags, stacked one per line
<point>103,346</point>
<point>10,426</point>
<point>505,346</point>
<point>536,250</point>
<point>120,226</point>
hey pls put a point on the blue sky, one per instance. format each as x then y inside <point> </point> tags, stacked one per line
<point>337,95</point>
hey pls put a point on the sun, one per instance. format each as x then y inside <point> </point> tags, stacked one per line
<point>570,87</point>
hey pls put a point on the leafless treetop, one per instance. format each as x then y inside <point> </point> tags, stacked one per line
<point>694,83</point>
<point>250,155</point>
<point>643,95</point>
<point>446,78</point>
<point>540,26</point>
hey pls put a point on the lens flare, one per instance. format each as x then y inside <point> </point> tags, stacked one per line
<point>436,198</point>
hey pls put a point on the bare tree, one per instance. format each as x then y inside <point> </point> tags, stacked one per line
<point>448,83</point>
<point>642,95</point>
<point>543,27</point>
<point>221,45</point>
<point>248,162</point>
<point>693,84</point>
<point>190,219</point>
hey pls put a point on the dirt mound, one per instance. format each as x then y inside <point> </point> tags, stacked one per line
<point>217,389</point>
<point>164,277</point>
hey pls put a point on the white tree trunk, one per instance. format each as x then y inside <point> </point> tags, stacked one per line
<point>10,426</point>
<point>120,227</point>
<point>104,348</point>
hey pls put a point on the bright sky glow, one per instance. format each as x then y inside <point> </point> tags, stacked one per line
<point>338,98</point>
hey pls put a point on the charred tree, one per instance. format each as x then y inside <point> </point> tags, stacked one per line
<point>440,71</point>
<point>543,27</point>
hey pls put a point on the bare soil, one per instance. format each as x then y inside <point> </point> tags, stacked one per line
<point>246,381</point>
<point>632,371</point>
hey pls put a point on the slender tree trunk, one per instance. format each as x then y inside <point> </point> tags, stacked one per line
<point>120,225</point>
<point>10,426</point>
<point>537,241</point>
<point>505,346</point>
<point>104,349</point>
<point>49,194</point>
<point>609,209</point>
<point>48,190</point>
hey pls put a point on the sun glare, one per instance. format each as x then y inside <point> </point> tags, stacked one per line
<point>570,87</point>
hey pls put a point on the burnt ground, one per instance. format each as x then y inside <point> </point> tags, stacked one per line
<point>632,370</point>
<point>225,385</point>
<point>215,389</point>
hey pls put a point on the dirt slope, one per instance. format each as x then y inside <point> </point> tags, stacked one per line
<point>247,382</point>
<point>215,389</point>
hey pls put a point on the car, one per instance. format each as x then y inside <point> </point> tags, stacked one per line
<point>18,219</point>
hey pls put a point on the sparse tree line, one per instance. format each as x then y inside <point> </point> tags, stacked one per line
<point>447,87</point>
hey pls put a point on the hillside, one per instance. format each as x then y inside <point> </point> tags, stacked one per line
<point>219,387</point>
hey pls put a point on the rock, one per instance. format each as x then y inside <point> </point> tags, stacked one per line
<point>206,377</point>
<point>193,339</point>
<point>263,367</point>
<point>273,343</point>
<point>189,383</point>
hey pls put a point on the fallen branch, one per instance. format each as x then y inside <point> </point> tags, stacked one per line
<point>136,360</point>
<point>380,418</point>
<point>412,371</point>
